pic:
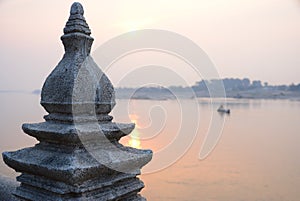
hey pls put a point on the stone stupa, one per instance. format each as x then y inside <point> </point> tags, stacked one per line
<point>78,156</point>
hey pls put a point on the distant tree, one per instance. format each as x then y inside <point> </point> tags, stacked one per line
<point>200,86</point>
<point>256,84</point>
<point>232,84</point>
<point>282,87</point>
<point>266,84</point>
<point>294,87</point>
<point>246,83</point>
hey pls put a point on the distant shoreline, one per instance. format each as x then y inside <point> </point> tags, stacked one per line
<point>166,94</point>
<point>234,88</point>
<point>161,96</point>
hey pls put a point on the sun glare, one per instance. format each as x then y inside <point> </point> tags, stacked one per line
<point>134,137</point>
<point>135,143</point>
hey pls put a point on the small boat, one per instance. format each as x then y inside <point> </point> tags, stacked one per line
<point>221,109</point>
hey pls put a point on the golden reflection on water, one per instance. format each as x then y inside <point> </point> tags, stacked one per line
<point>133,140</point>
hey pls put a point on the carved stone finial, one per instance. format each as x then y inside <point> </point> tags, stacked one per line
<point>76,22</point>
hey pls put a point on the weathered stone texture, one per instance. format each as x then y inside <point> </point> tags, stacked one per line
<point>78,156</point>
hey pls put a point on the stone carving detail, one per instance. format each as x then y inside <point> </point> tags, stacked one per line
<point>78,156</point>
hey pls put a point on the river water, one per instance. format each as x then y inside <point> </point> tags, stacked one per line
<point>257,157</point>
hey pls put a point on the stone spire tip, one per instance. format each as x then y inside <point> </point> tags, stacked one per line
<point>76,8</point>
<point>76,22</point>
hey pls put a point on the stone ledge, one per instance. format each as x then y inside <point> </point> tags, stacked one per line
<point>7,187</point>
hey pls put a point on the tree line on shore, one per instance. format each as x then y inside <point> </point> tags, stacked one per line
<point>230,84</point>
<point>236,84</point>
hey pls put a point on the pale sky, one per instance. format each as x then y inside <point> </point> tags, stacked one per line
<point>259,39</point>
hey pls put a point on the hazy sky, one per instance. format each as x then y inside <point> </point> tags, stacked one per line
<point>259,39</point>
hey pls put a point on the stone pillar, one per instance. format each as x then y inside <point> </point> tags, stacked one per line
<point>78,156</point>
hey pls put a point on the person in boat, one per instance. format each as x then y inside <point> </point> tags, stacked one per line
<point>222,109</point>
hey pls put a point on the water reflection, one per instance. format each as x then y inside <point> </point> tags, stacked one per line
<point>257,158</point>
<point>134,138</point>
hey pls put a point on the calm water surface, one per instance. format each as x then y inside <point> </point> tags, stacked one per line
<point>257,157</point>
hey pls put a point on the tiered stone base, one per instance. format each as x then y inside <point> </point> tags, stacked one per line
<point>61,168</point>
<point>122,188</point>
